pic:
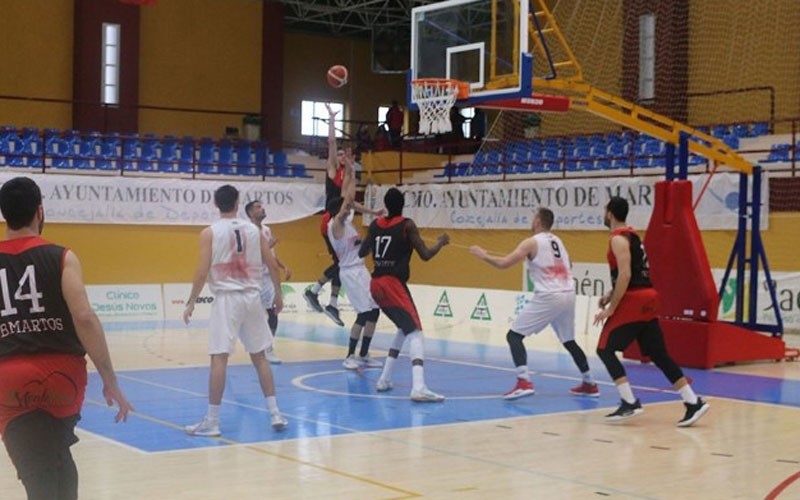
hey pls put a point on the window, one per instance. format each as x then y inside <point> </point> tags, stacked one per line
<point>314,118</point>
<point>382,110</point>
<point>647,56</point>
<point>109,65</point>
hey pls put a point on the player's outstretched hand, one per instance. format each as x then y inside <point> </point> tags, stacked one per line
<point>478,251</point>
<point>113,394</point>
<point>187,313</point>
<point>444,239</point>
<point>331,112</point>
<point>601,316</point>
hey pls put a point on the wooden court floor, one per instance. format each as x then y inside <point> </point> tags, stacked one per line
<point>347,441</point>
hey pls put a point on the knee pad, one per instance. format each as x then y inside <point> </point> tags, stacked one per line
<point>370,316</point>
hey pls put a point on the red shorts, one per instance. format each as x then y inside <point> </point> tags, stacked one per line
<point>53,382</point>
<point>395,301</point>
<point>638,305</point>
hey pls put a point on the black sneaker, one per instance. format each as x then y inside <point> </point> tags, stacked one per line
<point>312,300</point>
<point>625,411</point>
<point>694,412</point>
<point>333,314</point>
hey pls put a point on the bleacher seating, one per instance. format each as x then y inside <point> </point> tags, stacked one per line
<point>76,150</point>
<point>596,152</point>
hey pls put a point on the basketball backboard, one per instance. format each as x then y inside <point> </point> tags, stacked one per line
<point>481,42</point>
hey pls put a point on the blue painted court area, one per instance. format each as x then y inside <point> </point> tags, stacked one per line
<point>321,399</point>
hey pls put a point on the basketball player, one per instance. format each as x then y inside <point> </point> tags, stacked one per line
<point>553,302</point>
<point>333,189</point>
<point>345,241</point>
<point>256,213</point>
<point>630,312</point>
<point>392,239</point>
<point>232,256</point>
<point>47,327</point>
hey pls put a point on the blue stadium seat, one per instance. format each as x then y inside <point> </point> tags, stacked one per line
<point>261,158</point>
<point>280,164</point>
<point>186,156</point>
<point>110,151</point>
<point>225,157</point>
<point>168,156</point>
<point>148,154</point>
<point>89,149</point>
<point>741,130</point>
<point>778,152</point>
<point>245,162</point>
<point>130,152</point>
<point>206,163</point>
<point>299,170</point>
<point>719,131</point>
<point>32,147</point>
<point>759,129</point>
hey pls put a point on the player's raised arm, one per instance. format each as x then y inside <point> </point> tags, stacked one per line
<point>423,251</point>
<point>332,146</point>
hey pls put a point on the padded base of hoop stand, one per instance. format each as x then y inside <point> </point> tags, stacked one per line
<point>695,344</point>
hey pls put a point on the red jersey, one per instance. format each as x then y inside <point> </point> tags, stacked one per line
<point>640,271</point>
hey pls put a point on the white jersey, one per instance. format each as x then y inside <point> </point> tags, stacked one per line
<point>550,270</point>
<point>347,246</point>
<point>236,263</point>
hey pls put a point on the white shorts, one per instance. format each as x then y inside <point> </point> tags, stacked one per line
<point>267,294</point>
<point>356,285</point>
<point>551,308</point>
<point>238,314</point>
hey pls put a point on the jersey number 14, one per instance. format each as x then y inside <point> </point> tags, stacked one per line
<point>29,278</point>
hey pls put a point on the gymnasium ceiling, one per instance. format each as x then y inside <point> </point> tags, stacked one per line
<point>348,18</point>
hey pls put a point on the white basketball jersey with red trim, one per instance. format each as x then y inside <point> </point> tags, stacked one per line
<point>236,263</point>
<point>347,246</point>
<point>550,270</point>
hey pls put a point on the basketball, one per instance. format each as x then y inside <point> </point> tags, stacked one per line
<point>337,76</point>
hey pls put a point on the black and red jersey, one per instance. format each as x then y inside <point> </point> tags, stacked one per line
<point>34,316</point>
<point>391,248</point>
<point>640,271</point>
<point>333,187</point>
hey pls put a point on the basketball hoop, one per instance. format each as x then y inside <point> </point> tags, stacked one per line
<point>435,97</point>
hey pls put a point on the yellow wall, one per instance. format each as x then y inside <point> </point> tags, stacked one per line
<point>202,54</point>
<point>151,254</point>
<point>36,60</point>
<point>737,44</point>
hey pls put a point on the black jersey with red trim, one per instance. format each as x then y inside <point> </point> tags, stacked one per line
<point>640,271</point>
<point>34,316</point>
<point>333,187</point>
<point>391,248</point>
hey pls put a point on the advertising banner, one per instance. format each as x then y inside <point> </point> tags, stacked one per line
<point>86,199</point>
<point>577,203</point>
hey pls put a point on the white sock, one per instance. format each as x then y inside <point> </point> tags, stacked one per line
<point>397,344</point>
<point>688,394</point>
<point>334,301</point>
<point>213,412</point>
<point>417,378</point>
<point>272,404</point>
<point>587,377</point>
<point>523,373</point>
<point>315,288</point>
<point>626,393</point>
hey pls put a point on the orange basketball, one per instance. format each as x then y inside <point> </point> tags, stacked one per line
<point>337,76</point>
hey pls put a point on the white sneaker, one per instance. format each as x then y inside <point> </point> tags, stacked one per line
<point>383,385</point>
<point>278,422</point>
<point>368,362</point>
<point>272,357</point>
<point>351,363</point>
<point>426,395</point>
<point>205,427</point>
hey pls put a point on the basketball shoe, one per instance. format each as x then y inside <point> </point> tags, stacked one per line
<point>586,389</point>
<point>333,313</point>
<point>522,389</point>
<point>205,427</point>
<point>625,411</point>
<point>272,357</point>
<point>383,385</point>
<point>278,422</point>
<point>694,412</point>
<point>368,362</point>
<point>426,395</point>
<point>312,300</point>
<point>351,363</point>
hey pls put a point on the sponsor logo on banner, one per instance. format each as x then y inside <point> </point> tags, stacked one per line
<point>443,309</point>
<point>481,311</point>
<point>126,302</point>
<point>578,205</point>
<point>175,295</point>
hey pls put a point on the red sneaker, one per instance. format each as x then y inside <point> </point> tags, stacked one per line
<point>586,389</point>
<point>522,389</point>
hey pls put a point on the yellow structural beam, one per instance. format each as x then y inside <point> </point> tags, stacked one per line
<point>588,98</point>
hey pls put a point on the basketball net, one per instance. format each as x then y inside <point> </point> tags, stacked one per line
<point>435,98</point>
